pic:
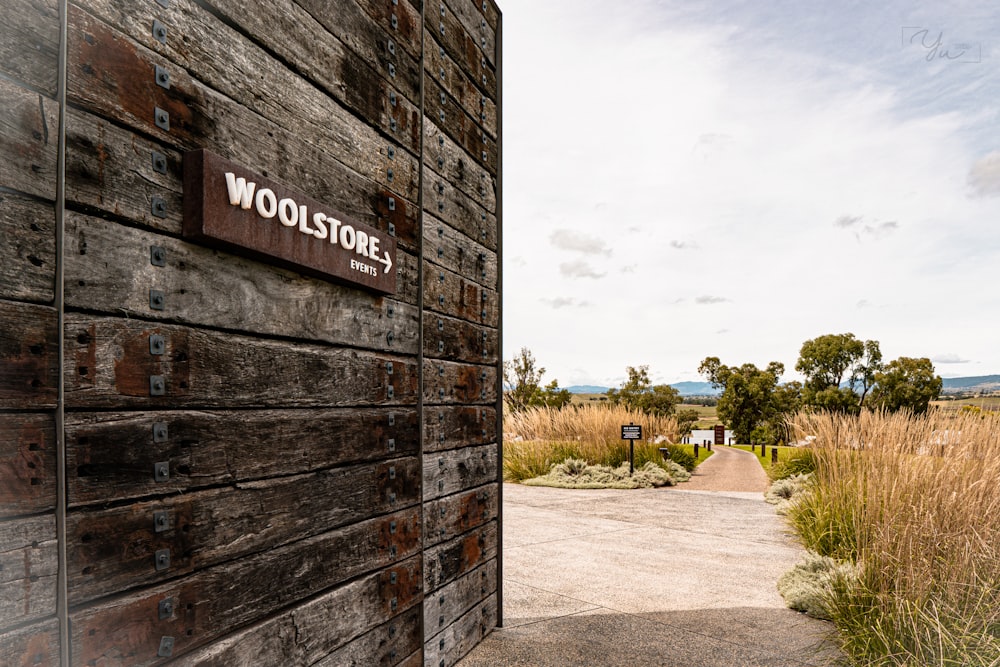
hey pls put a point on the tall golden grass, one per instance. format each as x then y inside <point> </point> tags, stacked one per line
<point>915,502</point>
<point>537,438</point>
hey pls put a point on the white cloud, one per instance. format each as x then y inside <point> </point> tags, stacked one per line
<point>710,300</point>
<point>567,239</point>
<point>949,359</point>
<point>984,176</point>
<point>579,269</point>
<point>565,302</point>
<point>683,245</point>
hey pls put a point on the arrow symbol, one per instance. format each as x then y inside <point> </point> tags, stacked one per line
<point>387,261</point>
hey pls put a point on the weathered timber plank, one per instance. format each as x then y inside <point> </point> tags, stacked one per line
<point>460,87</point>
<point>29,356</point>
<point>29,42</point>
<point>457,470</point>
<point>27,464</point>
<point>28,563</point>
<point>460,211</point>
<point>452,294</point>
<point>462,636</point>
<point>222,59</point>
<point>406,32</point>
<point>470,16</point>
<point>29,123</point>
<point>449,517</point>
<point>452,250</point>
<point>446,562</point>
<point>108,269</point>
<point>30,646</point>
<point>448,383</point>
<point>384,646</point>
<point>458,340</point>
<point>212,369</point>
<point>112,455</point>
<point>310,632</point>
<point>446,605</point>
<point>450,427</point>
<point>27,249</point>
<point>444,158</point>
<point>461,127</point>
<point>464,49</point>
<point>126,631</point>
<point>116,549</point>
<point>112,75</point>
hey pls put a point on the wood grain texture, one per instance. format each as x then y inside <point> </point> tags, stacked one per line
<point>29,124</point>
<point>446,562</point>
<point>450,516</point>
<point>29,43</point>
<point>452,427</point>
<point>449,603</point>
<point>466,633</point>
<point>383,646</point>
<point>460,126</point>
<point>31,646</point>
<point>460,86</point>
<point>204,369</point>
<point>126,630</point>
<point>27,249</point>
<point>112,75</point>
<point>115,549</point>
<point>408,29</point>
<point>451,293</point>
<point>449,249</point>
<point>470,16</point>
<point>458,340</point>
<point>27,463</point>
<point>28,563</point>
<point>447,382</point>
<point>443,158</point>
<point>457,470</point>
<point>112,454</point>
<point>220,58</point>
<point>29,351</point>
<point>312,631</point>
<point>452,206</point>
<point>108,269</point>
<point>463,47</point>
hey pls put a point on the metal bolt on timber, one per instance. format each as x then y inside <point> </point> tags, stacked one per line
<point>162,77</point>
<point>159,161</point>
<point>157,256</point>
<point>161,118</point>
<point>159,32</point>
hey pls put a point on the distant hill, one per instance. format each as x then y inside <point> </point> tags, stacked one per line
<point>977,383</point>
<point>683,388</point>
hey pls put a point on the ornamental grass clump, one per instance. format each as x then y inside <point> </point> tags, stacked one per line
<point>538,438</point>
<point>785,491</point>
<point>913,503</point>
<point>578,474</point>
<point>809,586</point>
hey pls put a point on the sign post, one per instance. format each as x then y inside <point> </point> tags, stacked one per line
<point>631,432</point>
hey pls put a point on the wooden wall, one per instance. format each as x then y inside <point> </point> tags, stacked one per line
<point>317,483</point>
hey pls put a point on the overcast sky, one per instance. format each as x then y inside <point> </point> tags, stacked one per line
<point>731,178</point>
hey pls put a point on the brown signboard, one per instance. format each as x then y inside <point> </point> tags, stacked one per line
<point>720,434</point>
<point>229,206</point>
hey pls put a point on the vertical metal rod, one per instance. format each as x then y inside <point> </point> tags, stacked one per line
<point>499,216</point>
<point>420,325</point>
<point>62,577</point>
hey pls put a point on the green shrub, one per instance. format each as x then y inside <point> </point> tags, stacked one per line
<point>784,491</point>
<point>801,461</point>
<point>809,586</point>
<point>576,474</point>
<point>682,457</point>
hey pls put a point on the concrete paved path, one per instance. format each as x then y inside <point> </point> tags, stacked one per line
<point>728,469</point>
<point>663,577</point>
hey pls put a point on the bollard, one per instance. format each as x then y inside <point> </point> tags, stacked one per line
<point>774,456</point>
<point>709,446</point>
<point>696,450</point>
<point>752,446</point>
<point>763,451</point>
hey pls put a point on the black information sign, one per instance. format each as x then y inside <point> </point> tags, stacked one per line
<point>632,432</point>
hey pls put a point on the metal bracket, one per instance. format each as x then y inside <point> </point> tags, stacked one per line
<point>157,256</point>
<point>160,432</point>
<point>392,203</point>
<point>159,32</point>
<point>389,174</point>
<point>391,45</point>
<point>440,346</point>
<point>392,419</point>
<point>158,207</point>
<point>393,578</point>
<point>157,299</point>
<point>164,3</point>
<point>392,472</point>
<point>162,77</point>
<point>162,560</point>
<point>389,337</point>
<point>392,229</point>
<point>392,99</point>
<point>392,444</point>
<point>162,119</point>
<point>161,471</point>
<point>166,647</point>
<point>157,345</point>
<point>394,21</point>
<point>161,521</point>
<point>159,162</point>
<point>392,70</point>
<point>391,392</point>
<point>390,310</point>
<point>165,609</point>
<point>157,385</point>
<point>388,368</point>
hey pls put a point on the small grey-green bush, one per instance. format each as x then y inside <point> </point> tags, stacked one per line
<point>785,491</point>
<point>576,474</point>
<point>808,586</point>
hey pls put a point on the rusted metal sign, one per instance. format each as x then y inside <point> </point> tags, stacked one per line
<point>229,206</point>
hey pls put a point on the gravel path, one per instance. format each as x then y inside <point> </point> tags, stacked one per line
<point>728,469</point>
